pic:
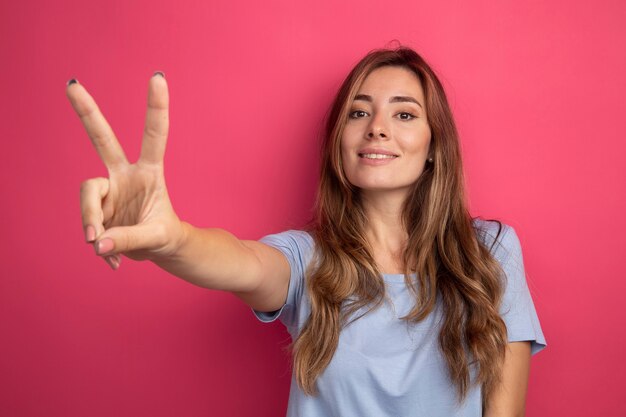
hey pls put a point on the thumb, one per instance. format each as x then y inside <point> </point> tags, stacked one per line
<point>127,238</point>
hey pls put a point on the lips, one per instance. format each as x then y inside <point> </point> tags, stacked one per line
<point>376,153</point>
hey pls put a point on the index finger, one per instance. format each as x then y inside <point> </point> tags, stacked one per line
<point>95,124</point>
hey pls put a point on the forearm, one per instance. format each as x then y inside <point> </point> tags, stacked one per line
<point>212,258</point>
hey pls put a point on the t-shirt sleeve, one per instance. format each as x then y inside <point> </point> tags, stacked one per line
<point>297,246</point>
<point>517,308</point>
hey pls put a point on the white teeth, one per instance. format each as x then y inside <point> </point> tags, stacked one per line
<point>376,156</point>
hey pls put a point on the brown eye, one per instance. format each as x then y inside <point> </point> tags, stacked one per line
<point>406,116</point>
<point>357,114</point>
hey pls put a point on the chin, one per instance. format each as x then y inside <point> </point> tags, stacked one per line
<point>378,187</point>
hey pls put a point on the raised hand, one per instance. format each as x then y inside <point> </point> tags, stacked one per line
<point>129,212</point>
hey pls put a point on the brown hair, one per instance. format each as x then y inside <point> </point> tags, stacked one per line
<point>442,247</point>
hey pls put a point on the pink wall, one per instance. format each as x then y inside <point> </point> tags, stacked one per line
<point>538,90</point>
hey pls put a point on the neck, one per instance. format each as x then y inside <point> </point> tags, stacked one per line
<point>384,230</point>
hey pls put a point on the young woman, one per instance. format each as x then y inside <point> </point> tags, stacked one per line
<point>399,303</point>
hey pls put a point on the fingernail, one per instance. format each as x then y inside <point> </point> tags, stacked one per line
<point>90,233</point>
<point>158,73</point>
<point>72,81</point>
<point>104,246</point>
<point>115,262</point>
<point>109,260</point>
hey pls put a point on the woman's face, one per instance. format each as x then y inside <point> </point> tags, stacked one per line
<point>386,139</point>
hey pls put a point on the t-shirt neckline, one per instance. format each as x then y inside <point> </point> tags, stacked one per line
<point>396,277</point>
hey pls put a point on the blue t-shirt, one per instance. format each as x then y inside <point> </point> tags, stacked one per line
<point>384,366</point>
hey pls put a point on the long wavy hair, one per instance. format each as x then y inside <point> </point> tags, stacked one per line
<point>442,248</point>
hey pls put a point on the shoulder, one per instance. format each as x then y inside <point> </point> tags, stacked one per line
<point>500,238</point>
<point>299,239</point>
<point>297,246</point>
<point>517,308</point>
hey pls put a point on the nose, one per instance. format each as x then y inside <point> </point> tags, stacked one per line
<point>377,129</point>
<point>381,134</point>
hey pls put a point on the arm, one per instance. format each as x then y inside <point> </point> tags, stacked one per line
<point>518,312</point>
<point>509,399</point>
<point>130,213</point>
<point>214,258</point>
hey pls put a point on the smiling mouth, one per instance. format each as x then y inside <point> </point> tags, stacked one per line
<point>376,156</point>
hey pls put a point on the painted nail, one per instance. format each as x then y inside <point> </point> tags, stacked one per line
<point>90,233</point>
<point>72,81</point>
<point>159,73</point>
<point>109,260</point>
<point>104,246</point>
<point>115,262</point>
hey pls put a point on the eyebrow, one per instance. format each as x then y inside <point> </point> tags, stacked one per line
<point>394,99</point>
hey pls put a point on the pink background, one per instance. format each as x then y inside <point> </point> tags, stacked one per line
<point>538,91</point>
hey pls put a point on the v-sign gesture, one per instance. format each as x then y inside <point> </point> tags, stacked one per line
<point>130,212</point>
